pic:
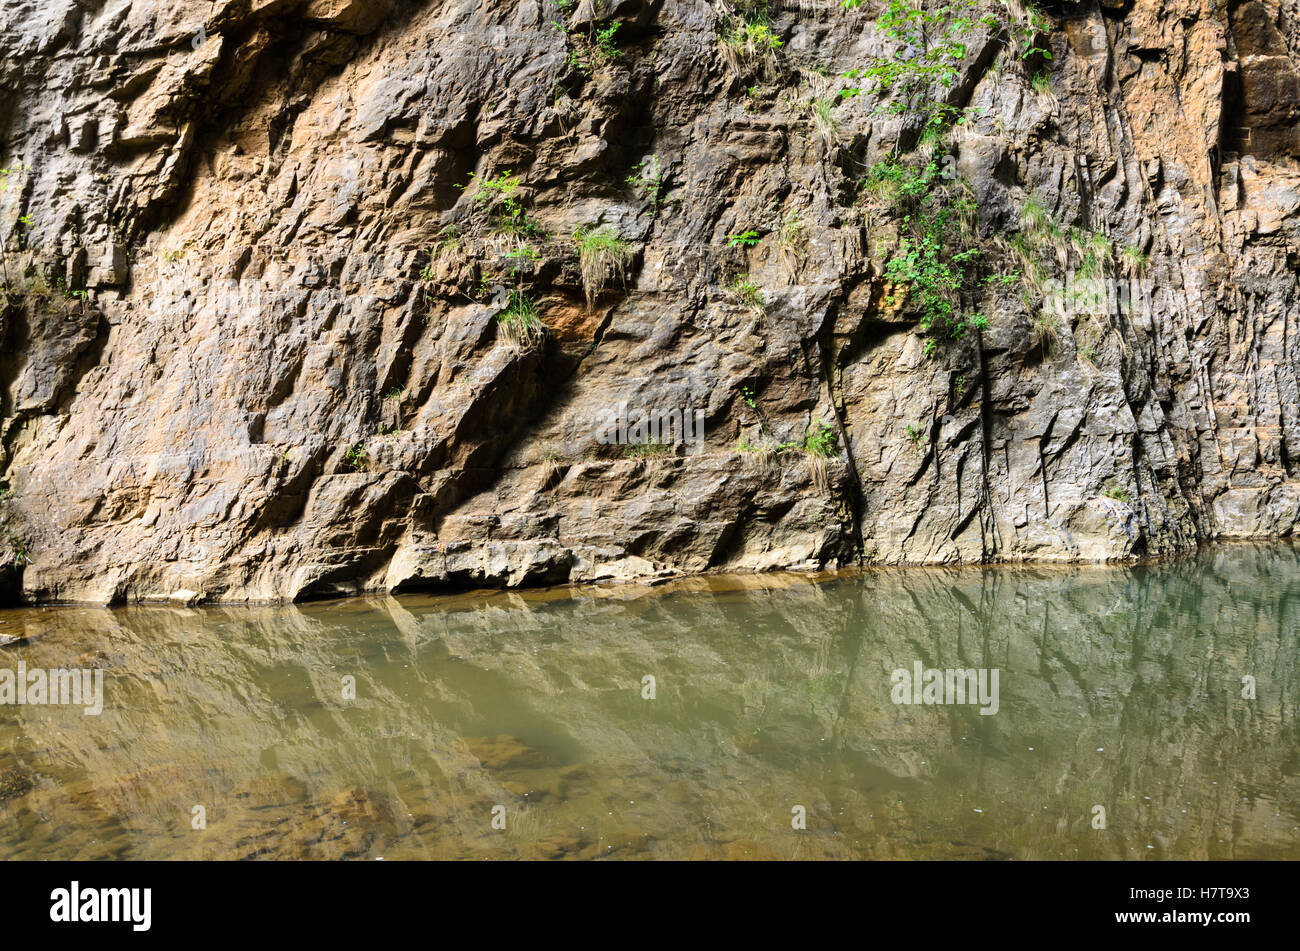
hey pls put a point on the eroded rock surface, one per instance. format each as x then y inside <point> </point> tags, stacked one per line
<point>272,389</point>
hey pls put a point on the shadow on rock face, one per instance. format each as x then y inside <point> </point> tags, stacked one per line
<point>11,587</point>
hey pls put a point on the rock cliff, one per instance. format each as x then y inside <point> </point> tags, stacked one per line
<point>309,297</point>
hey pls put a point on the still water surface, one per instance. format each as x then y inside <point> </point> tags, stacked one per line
<point>1119,688</point>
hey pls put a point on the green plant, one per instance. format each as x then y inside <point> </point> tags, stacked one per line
<point>602,257</point>
<point>959,385</point>
<point>521,260</point>
<point>22,557</point>
<point>1040,235</point>
<point>647,449</point>
<point>23,235</point>
<point>820,441</point>
<point>448,242</point>
<point>824,121</point>
<point>550,468</point>
<point>607,50</point>
<point>1134,260</point>
<point>747,239</point>
<point>357,456</point>
<point>939,264</point>
<point>933,47</point>
<point>1095,252</point>
<point>1042,83</point>
<point>647,177</point>
<point>748,42</point>
<point>499,197</point>
<point>34,282</point>
<point>1047,330</point>
<point>817,446</point>
<point>1025,32</point>
<point>935,276</point>
<point>937,258</point>
<point>563,10</point>
<point>794,236</point>
<point>747,293</point>
<point>520,322</point>
<point>1114,490</point>
<point>1039,224</point>
<point>917,437</point>
<point>397,394</point>
<point>575,60</point>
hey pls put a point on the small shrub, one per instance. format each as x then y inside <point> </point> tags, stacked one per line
<point>607,50</point>
<point>746,239</point>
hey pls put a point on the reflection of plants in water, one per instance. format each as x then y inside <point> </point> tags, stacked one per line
<point>817,691</point>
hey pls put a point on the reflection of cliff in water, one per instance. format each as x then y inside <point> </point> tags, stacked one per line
<point>1119,688</point>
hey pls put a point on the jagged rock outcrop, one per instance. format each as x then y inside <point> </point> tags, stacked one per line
<point>286,376</point>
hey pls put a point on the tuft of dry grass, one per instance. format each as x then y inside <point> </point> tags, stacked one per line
<point>602,258</point>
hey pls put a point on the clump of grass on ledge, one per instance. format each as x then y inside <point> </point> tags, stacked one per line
<point>1134,260</point>
<point>748,293</point>
<point>817,446</point>
<point>519,322</point>
<point>647,450</point>
<point>1114,490</point>
<point>747,40</point>
<point>602,257</point>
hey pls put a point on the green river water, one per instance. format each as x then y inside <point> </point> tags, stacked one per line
<point>1119,688</point>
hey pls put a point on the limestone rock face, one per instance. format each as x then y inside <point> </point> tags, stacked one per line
<point>271,268</point>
